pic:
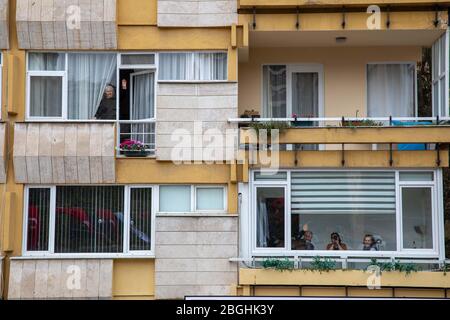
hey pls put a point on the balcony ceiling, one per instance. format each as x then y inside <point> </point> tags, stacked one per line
<point>361,38</point>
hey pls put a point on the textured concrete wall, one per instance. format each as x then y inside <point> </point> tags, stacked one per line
<point>192,256</point>
<point>197,13</point>
<point>66,24</point>
<point>53,279</point>
<point>4,27</point>
<point>64,153</point>
<point>197,111</point>
<point>2,153</point>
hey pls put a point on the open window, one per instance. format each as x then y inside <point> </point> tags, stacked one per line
<point>137,81</point>
<point>440,80</point>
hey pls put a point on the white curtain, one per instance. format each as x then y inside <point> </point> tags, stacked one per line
<point>143,96</point>
<point>390,90</point>
<point>274,92</point>
<point>193,66</point>
<point>46,61</point>
<point>262,229</point>
<point>305,94</point>
<point>89,74</point>
<point>45,96</point>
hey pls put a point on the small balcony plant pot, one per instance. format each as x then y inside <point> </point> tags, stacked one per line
<point>135,154</point>
<point>296,123</point>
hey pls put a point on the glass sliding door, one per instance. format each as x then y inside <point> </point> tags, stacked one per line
<point>274,92</point>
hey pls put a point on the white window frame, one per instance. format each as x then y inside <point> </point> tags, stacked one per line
<point>41,73</point>
<point>298,68</point>
<point>193,202</point>
<point>50,253</point>
<point>442,76</point>
<point>411,63</point>
<point>195,81</point>
<point>437,215</point>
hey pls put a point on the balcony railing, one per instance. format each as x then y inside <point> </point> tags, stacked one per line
<point>136,138</point>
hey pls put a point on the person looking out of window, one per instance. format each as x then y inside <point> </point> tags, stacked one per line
<point>107,108</point>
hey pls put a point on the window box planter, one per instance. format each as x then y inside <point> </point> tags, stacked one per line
<point>135,154</point>
<point>424,279</point>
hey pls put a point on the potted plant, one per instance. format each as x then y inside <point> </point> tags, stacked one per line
<point>297,123</point>
<point>133,148</point>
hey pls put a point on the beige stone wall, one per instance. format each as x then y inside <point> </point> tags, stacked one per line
<point>192,256</point>
<point>4,27</point>
<point>2,152</point>
<point>53,279</point>
<point>50,153</point>
<point>197,13</point>
<point>197,111</point>
<point>66,24</point>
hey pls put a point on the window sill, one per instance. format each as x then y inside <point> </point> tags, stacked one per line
<point>195,214</point>
<point>82,257</point>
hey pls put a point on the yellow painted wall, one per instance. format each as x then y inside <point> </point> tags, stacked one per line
<point>353,20</point>
<point>293,3</point>
<point>134,279</point>
<point>344,73</point>
<point>136,12</point>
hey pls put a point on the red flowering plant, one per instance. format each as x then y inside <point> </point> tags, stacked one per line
<point>132,145</point>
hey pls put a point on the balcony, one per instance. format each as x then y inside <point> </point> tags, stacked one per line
<point>136,138</point>
<point>64,152</point>
<point>351,146</point>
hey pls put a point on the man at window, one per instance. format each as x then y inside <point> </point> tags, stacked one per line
<point>107,108</point>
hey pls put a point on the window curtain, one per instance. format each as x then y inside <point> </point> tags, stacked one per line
<point>88,75</point>
<point>305,94</point>
<point>45,96</point>
<point>390,90</point>
<point>193,66</point>
<point>46,61</point>
<point>274,92</point>
<point>263,225</point>
<point>143,96</point>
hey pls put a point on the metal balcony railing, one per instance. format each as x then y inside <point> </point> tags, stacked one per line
<point>136,138</point>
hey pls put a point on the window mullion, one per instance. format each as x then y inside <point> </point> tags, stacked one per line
<point>52,219</point>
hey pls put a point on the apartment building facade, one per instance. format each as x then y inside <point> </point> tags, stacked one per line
<point>161,187</point>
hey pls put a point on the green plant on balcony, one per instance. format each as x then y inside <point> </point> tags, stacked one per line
<point>322,264</point>
<point>278,264</point>
<point>281,126</point>
<point>361,123</point>
<point>395,266</point>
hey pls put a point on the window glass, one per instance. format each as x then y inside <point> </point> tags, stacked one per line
<point>193,66</point>
<point>416,176</point>
<point>210,198</point>
<point>92,86</point>
<point>417,218</point>
<point>46,96</point>
<point>270,217</point>
<point>175,198</point>
<point>390,90</point>
<point>140,219</point>
<point>270,176</point>
<point>138,59</point>
<point>89,219</point>
<point>274,92</point>
<point>38,219</point>
<point>38,61</point>
<point>345,208</point>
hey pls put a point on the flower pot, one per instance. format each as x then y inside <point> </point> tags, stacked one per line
<point>302,123</point>
<point>135,154</point>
